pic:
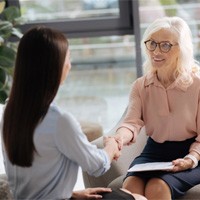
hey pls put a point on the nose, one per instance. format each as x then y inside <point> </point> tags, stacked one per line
<point>157,50</point>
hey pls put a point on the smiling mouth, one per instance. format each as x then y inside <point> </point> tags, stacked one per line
<point>157,59</point>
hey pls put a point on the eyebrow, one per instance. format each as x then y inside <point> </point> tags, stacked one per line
<point>162,41</point>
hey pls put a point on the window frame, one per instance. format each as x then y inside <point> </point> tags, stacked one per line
<point>126,24</point>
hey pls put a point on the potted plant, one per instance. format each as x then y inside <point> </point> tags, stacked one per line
<point>9,20</point>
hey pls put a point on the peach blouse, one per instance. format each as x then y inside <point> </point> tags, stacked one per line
<point>168,114</point>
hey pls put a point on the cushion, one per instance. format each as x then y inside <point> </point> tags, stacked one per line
<point>4,188</point>
<point>91,129</point>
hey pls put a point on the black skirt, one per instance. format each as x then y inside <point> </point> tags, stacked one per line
<point>179,182</point>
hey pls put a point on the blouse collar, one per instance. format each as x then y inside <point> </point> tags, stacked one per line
<point>151,78</point>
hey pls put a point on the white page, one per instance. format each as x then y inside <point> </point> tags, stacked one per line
<point>151,166</point>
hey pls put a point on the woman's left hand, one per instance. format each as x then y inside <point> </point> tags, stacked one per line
<point>182,164</point>
<point>90,193</point>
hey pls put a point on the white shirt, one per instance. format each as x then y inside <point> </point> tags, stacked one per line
<point>61,148</point>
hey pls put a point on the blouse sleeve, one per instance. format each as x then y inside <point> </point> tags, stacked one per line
<point>133,119</point>
<point>196,145</point>
<point>73,143</point>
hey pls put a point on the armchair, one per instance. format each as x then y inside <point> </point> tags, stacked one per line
<point>114,176</point>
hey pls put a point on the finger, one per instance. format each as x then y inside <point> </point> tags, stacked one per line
<point>179,167</point>
<point>95,196</point>
<point>101,189</point>
<point>118,154</point>
<point>120,144</point>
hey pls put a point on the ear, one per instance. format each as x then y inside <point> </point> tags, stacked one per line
<point>65,72</point>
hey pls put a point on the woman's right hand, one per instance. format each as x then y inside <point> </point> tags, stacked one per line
<point>120,140</point>
<point>111,147</point>
<point>90,193</point>
<point>123,137</point>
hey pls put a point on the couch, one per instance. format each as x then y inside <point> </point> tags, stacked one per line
<point>114,176</point>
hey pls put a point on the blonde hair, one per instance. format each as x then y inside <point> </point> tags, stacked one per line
<point>186,64</point>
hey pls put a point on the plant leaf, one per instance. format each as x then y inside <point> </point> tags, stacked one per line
<point>3,96</point>
<point>2,78</point>
<point>17,32</point>
<point>5,29</point>
<point>7,57</point>
<point>1,40</point>
<point>11,13</point>
<point>2,6</point>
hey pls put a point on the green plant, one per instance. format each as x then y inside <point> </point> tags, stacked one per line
<point>10,18</point>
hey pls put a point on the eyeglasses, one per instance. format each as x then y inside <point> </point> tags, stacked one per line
<point>163,46</point>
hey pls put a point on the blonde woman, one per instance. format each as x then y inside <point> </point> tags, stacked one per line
<point>166,100</point>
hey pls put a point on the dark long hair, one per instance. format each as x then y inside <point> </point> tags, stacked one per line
<point>40,58</point>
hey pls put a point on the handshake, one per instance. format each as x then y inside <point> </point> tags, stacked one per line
<point>113,146</point>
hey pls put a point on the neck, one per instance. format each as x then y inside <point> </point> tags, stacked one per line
<point>166,77</point>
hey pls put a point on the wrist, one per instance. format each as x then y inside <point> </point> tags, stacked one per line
<point>127,134</point>
<point>74,195</point>
<point>130,138</point>
<point>194,160</point>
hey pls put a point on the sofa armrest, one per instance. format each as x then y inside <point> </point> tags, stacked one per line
<point>118,167</point>
<point>104,180</point>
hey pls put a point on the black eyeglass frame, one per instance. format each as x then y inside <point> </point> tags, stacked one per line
<point>158,44</point>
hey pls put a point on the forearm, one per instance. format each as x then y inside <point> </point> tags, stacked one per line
<point>75,195</point>
<point>195,154</point>
<point>190,161</point>
<point>193,157</point>
<point>126,135</point>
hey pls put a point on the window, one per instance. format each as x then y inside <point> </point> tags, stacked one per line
<point>98,85</point>
<point>51,10</point>
<point>188,10</point>
<point>80,18</point>
<point>103,36</point>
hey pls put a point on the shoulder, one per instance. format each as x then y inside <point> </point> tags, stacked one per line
<point>196,80</point>
<point>55,111</point>
<point>59,119</point>
<point>195,85</point>
<point>142,81</point>
<point>196,77</point>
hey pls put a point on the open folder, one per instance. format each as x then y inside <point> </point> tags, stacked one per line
<point>153,166</point>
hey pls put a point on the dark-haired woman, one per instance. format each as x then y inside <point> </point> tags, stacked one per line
<point>42,146</point>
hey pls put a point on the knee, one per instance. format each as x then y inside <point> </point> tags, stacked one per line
<point>139,197</point>
<point>156,186</point>
<point>134,185</point>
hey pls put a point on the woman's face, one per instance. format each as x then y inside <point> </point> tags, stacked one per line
<point>66,67</point>
<point>161,59</point>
